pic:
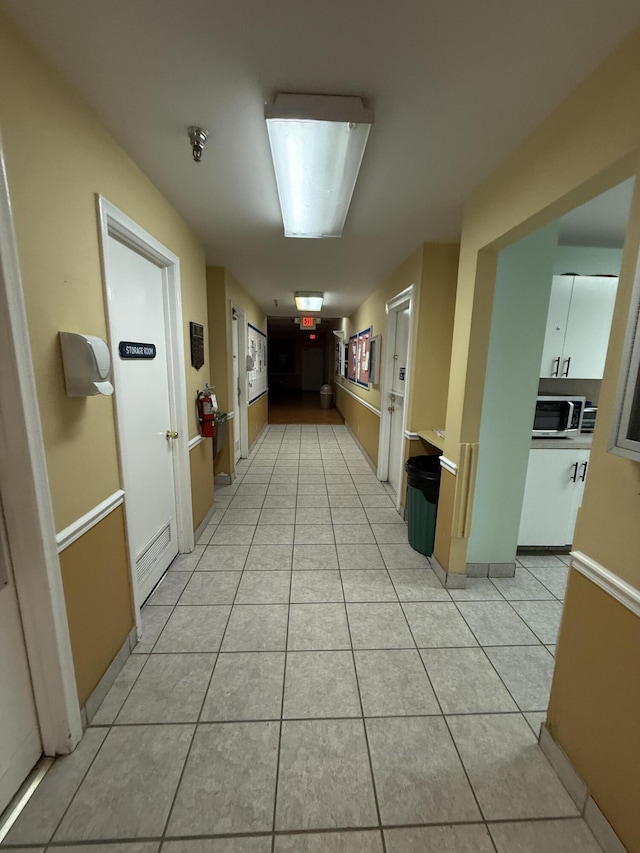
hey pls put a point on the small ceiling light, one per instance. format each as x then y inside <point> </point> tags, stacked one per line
<point>198,138</point>
<point>309,301</point>
<point>317,144</point>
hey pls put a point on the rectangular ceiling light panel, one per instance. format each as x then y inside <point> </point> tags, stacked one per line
<point>317,144</point>
<point>309,301</point>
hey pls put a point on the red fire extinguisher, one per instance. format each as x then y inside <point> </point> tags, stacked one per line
<point>206,413</point>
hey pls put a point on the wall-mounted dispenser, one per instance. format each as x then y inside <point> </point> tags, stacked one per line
<point>87,364</point>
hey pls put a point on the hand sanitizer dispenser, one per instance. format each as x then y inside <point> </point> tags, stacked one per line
<point>87,364</point>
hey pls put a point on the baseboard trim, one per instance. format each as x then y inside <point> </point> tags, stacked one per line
<point>576,788</point>
<point>359,399</point>
<point>88,711</point>
<point>205,521</point>
<point>372,464</point>
<point>83,524</point>
<point>450,580</point>
<point>490,570</point>
<point>617,588</point>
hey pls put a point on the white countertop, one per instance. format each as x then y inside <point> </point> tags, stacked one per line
<point>581,442</point>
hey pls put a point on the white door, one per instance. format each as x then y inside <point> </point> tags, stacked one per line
<point>556,325</point>
<point>138,314</point>
<point>396,395</point>
<point>20,745</point>
<point>237,446</point>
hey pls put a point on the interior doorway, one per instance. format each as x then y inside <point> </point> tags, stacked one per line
<point>395,385</point>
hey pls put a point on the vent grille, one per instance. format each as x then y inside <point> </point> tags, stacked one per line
<point>147,559</point>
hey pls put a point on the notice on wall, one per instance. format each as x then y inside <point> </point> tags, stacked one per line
<point>364,354</point>
<point>256,363</point>
<point>353,358</point>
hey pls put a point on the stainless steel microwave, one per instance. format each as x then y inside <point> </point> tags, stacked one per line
<point>558,417</point>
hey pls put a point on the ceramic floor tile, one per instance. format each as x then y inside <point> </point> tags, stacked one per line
<point>252,489</point>
<point>544,836</point>
<point>312,502</point>
<point>531,561</point>
<point>418,585</point>
<point>325,779</point>
<point>320,684</point>
<point>313,534</point>
<point>376,515</point>
<point>313,515</point>
<point>273,534</point>
<point>411,789</point>
<point>284,515</point>
<point>473,838</point>
<point>317,586</point>
<point>436,624</point>
<point>256,628</point>
<point>554,578</point>
<point>211,588</point>
<point>535,720</point>
<point>317,627</point>
<point>382,501</point>
<point>511,777</point>
<point>194,629</point>
<point>239,844</point>
<point>269,558</point>
<point>543,617</point>
<point>310,557</point>
<point>114,700</point>
<point>247,502</point>
<point>42,813</point>
<point>169,589</point>
<point>123,796</point>
<point>279,502</point>
<point>403,557</point>
<point>170,689</point>
<point>477,589</point>
<point>367,585</point>
<point>344,501</point>
<point>522,587</point>
<point>354,534</point>
<point>330,842</point>
<point>390,534</point>
<point>359,557</point>
<point>348,516</point>
<point>495,623</point>
<point>394,683</point>
<point>465,682</point>
<point>236,534</point>
<point>379,626</point>
<point>231,776</point>
<point>153,621</point>
<point>341,489</point>
<point>527,672</point>
<point>246,686</point>
<point>187,562</point>
<point>270,587</point>
<point>306,488</point>
<point>290,488</point>
<point>123,847</point>
<point>223,558</point>
<point>240,516</point>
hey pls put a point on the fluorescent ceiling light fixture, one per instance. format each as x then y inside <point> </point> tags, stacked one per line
<point>306,301</point>
<point>317,144</point>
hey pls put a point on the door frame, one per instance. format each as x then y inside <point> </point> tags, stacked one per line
<point>402,300</point>
<point>241,410</point>
<point>114,223</point>
<point>29,512</point>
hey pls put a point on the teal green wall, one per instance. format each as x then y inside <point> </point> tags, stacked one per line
<point>520,307</point>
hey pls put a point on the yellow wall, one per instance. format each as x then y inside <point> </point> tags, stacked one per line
<point>97,592</point>
<point>364,423</point>
<point>201,465</point>
<point>58,158</point>
<point>588,144</point>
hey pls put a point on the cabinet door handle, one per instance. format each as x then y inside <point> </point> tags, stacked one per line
<point>575,472</point>
<point>556,366</point>
<point>584,471</point>
<point>567,362</point>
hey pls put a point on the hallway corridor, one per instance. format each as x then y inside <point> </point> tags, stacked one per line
<point>304,684</point>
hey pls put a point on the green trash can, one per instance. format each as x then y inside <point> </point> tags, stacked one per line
<point>423,487</point>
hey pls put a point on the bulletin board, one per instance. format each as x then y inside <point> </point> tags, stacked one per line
<point>353,358</point>
<point>362,365</point>
<point>256,363</point>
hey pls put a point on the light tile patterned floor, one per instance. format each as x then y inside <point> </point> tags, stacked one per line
<point>305,684</point>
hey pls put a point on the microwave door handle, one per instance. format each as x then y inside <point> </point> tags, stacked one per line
<point>567,362</point>
<point>570,415</point>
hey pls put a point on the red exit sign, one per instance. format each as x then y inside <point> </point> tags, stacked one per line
<point>307,322</point>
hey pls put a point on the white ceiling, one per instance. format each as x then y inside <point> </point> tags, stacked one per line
<point>455,85</point>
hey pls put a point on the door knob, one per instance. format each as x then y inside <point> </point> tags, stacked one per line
<point>171,434</point>
<point>392,397</point>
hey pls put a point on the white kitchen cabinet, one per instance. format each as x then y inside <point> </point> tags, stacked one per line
<point>552,496</point>
<point>578,326</point>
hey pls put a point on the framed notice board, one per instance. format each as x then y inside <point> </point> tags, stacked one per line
<point>362,365</point>
<point>256,363</point>
<point>353,358</point>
